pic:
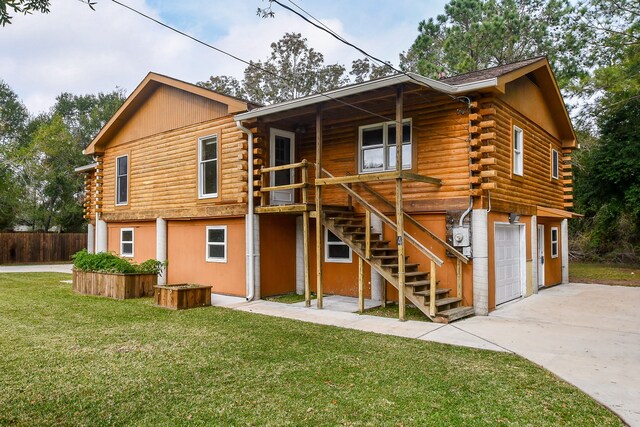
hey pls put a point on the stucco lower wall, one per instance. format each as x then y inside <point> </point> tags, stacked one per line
<point>186,254</point>
<point>144,239</point>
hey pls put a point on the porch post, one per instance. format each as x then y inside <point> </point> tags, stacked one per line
<point>399,208</point>
<point>161,248</point>
<point>564,245</point>
<point>480,244</point>
<point>90,238</point>
<point>319,234</point>
<point>377,282</point>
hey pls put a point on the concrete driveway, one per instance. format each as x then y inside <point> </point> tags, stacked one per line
<point>37,268</point>
<point>589,335</point>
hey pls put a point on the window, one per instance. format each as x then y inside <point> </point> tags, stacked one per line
<point>217,243</point>
<point>122,180</point>
<point>378,147</point>
<point>126,242</point>
<point>517,151</point>
<point>208,166</point>
<point>334,249</point>
<point>554,164</point>
<point>554,242</point>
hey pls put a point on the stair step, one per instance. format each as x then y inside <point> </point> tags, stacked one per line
<point>373,241</point>
<point>427,294</point>
<point>406,265</point>
<point>413,274</point>
<point>383,257</point>
<point>455,313</point>
<point>446,301</point>
<point>384,249</point>
<point>417,283</point>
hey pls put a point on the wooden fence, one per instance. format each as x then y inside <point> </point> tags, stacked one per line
<point>16,248</point>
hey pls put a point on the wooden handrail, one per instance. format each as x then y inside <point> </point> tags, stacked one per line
<point>377,177</point>
<point>421,227</point>
<point>302,164</point>
<point>433,257</point>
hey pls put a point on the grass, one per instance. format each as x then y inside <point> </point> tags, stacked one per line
<point>606,274</point>
<point>391,310</point>
<point>291,298</point>
<point>68,359</point>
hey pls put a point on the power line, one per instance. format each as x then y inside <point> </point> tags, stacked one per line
<point>254,65</point>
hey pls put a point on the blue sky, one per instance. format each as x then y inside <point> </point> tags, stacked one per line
<point>74,49</point>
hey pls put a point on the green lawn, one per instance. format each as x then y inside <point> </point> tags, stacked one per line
<point>290,298</point>
<point>606,274</point>
<point>68,359</point>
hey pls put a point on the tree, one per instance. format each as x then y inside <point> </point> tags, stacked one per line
<point>364,69</point>
<point>225,84</point>
<point>477,34</point>
<point>21,6</point>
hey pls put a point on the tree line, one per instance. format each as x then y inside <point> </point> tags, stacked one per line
<point>593,47</point>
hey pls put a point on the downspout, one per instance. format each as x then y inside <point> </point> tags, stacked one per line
<point>251,285</point>
<point>464,215</point>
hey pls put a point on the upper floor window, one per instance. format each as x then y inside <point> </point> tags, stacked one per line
<point>122,180</point>
<point>335,250</point>
<point>217,243</point>
<point>208,166</point>
<point>554,242</point>
<point>377,146</point>
<point>518,151</point>
<point>126,242</point>
<point>555,166</point>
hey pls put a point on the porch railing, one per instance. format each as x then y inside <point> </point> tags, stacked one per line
<point>303,185</point>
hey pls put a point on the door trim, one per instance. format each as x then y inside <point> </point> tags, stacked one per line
<point>285,194</point>
<point>540,259</point>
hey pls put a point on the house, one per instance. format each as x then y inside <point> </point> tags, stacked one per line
<point>462,208</point>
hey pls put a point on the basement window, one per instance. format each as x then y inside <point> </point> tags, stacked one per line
<point>126,242</point>
<point>554,164</point>
<point>122,180</point>
<point>377,147</point>
<point>554,242</point>
<point>518,151</point>
<point>208,167</point>
<point>335,250</point>
<point>217,243</point>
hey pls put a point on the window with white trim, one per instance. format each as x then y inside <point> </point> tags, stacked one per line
<point>554,242</point>
<point>126,242</point>
<point>518,151</point>
<point>555,165</point>
<point>377,147</point>
<point>122,180</point>
<point>216,243</point>
<point>208,166</point>
<point>335,250</point>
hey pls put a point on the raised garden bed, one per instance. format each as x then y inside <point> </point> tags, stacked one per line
<point>180,297</point>
<point>114,285</point>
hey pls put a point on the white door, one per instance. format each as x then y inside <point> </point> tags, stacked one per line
<point>540,256</point>
<point>507,263</point>
<point>281,153</point>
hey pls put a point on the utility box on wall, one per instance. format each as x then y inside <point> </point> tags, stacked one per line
<point>459,234</point>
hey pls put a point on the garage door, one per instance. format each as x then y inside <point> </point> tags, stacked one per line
<point>508,260</point>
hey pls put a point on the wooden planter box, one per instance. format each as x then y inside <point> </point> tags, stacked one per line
<point>114,285</point>
<point>179,297</point>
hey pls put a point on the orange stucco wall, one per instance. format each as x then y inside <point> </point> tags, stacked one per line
<point>552,266</point>
<point>186,253</point>
<point>144,239</point>
<point>277,254</point>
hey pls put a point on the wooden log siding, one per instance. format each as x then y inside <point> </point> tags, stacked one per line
<point>164,169</point>
<point>440,150</point>
<point>535,187</point>
<point>40,247</point>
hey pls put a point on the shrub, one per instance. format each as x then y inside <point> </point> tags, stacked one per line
<point>106,262</point>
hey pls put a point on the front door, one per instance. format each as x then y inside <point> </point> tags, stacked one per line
<point>540,256</point>
<point>282,153</point>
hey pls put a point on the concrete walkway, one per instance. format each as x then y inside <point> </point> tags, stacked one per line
<point>589,335</point>
<point>36,268</point>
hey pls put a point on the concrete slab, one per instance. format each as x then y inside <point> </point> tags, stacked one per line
<point>340,303</point>
<point>37,268</point>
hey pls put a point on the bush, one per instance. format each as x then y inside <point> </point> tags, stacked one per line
<point>106,262</point>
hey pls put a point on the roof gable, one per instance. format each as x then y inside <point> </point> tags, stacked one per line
<point>161,103</point>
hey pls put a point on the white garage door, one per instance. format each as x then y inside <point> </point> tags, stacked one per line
<point>508,260</point>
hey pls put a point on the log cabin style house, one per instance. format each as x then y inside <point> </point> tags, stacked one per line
<point>451,194</point>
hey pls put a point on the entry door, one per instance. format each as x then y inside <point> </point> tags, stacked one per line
<point>541,259</point>
<point>282,153</point>
<point>508,263</point>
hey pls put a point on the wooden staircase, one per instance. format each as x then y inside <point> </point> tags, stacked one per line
<point>384,259</point>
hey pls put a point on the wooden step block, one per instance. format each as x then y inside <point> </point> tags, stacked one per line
<point>447,301</point>
<point>452,314</point>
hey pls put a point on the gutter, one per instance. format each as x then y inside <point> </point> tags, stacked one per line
<point>249,230</point>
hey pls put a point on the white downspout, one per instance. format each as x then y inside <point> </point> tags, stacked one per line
<point>251,288</point>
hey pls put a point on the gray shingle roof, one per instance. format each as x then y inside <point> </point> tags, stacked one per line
<point>489,73</point>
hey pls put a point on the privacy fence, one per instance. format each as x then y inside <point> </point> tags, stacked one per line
<point>16,248</point>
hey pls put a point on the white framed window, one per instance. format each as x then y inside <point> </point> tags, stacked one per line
<point>377,147</point>
<point>335,250</point>
<point>216,243</point>
<point>208,167</point>
<point>122,180</point>
<point>126,242</point>
<point>555,165</point>
<point>554,242</point>
<point>518,151</point>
